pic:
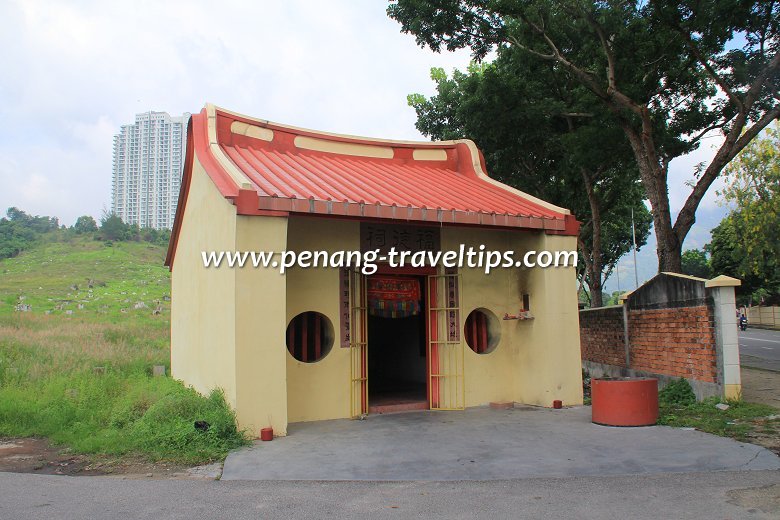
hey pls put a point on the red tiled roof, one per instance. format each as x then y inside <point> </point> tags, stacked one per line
<point>267,168</point>
<point>387,182</point>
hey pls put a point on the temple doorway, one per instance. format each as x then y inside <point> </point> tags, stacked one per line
<point>397,344</point>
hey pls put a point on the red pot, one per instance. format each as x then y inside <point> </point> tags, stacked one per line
<point>267,434</point>
<point>628,401</point>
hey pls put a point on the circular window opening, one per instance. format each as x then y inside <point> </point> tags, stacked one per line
<point>309,336</point>
<point>482,331</point>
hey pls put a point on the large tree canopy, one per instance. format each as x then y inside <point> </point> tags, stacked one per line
<point>746,243</point>
<point>562,148</point>
<point>669,74</point>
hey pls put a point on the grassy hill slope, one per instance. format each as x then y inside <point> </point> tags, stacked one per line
<point>88,278</point>
<point>76,365</point>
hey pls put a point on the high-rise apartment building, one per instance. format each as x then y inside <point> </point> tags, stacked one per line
<point>148,163</point>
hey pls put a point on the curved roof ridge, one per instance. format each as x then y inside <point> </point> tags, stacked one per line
<point>310,132</point>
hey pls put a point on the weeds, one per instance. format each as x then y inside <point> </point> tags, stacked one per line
<point>53,391</point>
<point>677,393</point>
<point>678,407</point>
<point>48,383</point>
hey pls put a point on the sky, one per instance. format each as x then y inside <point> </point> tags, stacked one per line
<point>75,71</point>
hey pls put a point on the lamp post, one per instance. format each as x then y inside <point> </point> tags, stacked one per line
<point>633,234</point>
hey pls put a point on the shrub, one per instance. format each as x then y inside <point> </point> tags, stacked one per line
<point>677,393</point>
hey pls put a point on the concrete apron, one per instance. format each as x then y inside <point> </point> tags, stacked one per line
<point>486,444</point>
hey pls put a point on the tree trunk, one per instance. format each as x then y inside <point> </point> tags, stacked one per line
<point>654,178</point>
<point>595,266</point>
<point>669,254</point>
<point>669,247</point>
<point>596,290</point>
<point>653,165</point>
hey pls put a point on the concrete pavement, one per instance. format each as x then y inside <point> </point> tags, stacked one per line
<point>716,495</point>
<point>486,444</point>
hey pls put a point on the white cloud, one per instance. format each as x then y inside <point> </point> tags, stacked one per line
<point>79,70</point>
<point>681,175</point>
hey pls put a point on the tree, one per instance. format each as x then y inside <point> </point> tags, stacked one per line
<point>14,214</point>
<point>155,236</point>
<point>85,224</point>
<point>20,229</point>
<point>696,263</point>
<point>14,238</point>
<point>560,147</point>
<point>614,298</point>
<point>669,73</point>
<point>727,256</point>
<point>113,228</point>
<point>746,244</point>
<point>37,223</point>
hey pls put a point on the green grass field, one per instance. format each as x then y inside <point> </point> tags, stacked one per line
<point>77,367</point>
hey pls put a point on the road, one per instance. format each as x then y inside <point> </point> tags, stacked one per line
<point>760,348</point>
<point>718,494</point>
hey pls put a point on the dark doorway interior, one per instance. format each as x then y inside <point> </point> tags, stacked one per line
<point>397,372</point>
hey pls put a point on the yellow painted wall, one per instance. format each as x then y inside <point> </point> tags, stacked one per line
<point>318,390</point>
<point>536,361</point>
<point>488,377</point>
<point>227,324</point>
<point>548,363</point>
<point>260,301</point>
<point>202,300</point>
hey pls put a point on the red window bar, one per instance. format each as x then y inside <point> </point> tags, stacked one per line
<point>476,332</point>
<point>304,337</point>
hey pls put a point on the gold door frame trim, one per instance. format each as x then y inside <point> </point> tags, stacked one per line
<point>358,344</point>
<point>446,355</point>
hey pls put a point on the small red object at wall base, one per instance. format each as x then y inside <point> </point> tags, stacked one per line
<point>267,434</point>
<point>557,404</point>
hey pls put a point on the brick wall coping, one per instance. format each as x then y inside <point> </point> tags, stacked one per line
<point>601,308</point>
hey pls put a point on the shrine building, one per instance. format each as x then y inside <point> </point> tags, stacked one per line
<point>327,342</point>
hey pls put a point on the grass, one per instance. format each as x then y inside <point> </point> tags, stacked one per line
<point>678,407</point>
<point>90,279</point>
<point>49,385</point>
<point>740,421</point>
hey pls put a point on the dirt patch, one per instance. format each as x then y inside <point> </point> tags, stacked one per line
<point>765,499</point>
<point>37,456</point>
<point>765,434</point>
<point>30,455</point>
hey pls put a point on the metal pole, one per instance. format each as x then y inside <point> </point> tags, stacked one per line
<point>633,233</point>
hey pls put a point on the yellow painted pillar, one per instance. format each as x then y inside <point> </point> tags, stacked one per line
<point>549,363</point>
<point>261,321</point>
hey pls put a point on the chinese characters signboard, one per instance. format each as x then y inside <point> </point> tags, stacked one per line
<point>403,238</point>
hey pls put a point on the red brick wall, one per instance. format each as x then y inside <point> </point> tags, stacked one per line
<point>601,336</point>
<point>678,342</point>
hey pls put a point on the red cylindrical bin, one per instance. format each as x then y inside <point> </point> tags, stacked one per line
<point>627,401</point>
<point>267,434</point>
<point>557,404</point>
